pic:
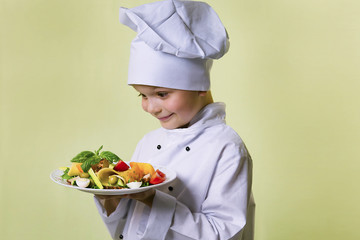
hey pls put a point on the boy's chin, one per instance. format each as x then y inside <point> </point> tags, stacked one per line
<point>168,126</point>
<point>174,126</point>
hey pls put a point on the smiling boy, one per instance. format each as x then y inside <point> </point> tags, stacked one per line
<point>170,62</point>
<point>173,108</point>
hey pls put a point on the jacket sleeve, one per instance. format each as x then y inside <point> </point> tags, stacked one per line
<point>223,213</point>
<point>115,223</point>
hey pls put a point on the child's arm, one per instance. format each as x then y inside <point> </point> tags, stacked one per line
<point>109,202</point>
<point>113,211</point>
<point>145,197</point>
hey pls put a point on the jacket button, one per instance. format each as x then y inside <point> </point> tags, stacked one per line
<point>121,236</point>
<point>170,188</point>
<point>187,149</point>
<point>158,147</point>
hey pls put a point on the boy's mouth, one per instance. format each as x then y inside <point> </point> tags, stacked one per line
<point>163,119</point>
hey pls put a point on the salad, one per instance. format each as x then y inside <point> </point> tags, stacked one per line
<point>105,170</point>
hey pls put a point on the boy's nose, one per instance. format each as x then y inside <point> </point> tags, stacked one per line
<point>153,107</point>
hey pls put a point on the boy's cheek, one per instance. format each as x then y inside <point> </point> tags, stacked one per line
<point>144,106</point>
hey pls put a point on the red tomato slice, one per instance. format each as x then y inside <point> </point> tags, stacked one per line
<point>121,166</point>
<point>158,177</point>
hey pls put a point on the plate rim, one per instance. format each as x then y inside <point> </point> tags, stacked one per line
<point>55,176</point>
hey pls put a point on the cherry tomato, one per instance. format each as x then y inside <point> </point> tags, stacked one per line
<point>158,177</point>
<point>121,166</point>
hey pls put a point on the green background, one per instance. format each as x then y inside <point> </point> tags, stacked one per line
<point>291,83</point>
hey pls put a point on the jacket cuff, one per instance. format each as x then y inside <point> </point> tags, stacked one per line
<point>120,211</point>
<point>160,219</point>
<point>116,221</point>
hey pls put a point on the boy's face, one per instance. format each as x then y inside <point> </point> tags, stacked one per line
<point>173,108</point>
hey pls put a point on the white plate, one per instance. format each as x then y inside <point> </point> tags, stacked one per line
<point>56,177</point>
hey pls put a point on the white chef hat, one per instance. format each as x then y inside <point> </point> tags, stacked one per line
<point>175,45</point>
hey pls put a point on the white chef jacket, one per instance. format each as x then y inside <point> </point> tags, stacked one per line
<point>211,197</point>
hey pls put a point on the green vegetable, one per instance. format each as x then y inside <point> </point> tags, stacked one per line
<point>95,178</point>
<point>83,156</point>
<point>145,184</point>
<point>84,175</point>
<point>89,162</point>
<point>111,157</point>
<point>65,175</point>
<point>113,179</point>
<point>88,158</point>
<point>121,183</point>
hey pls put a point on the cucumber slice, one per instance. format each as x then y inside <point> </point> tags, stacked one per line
<point>95,178</point>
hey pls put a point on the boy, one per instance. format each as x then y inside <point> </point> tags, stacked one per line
<point>170,62</point>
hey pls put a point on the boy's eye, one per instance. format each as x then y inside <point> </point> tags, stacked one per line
<point>162,94</point>
<point>142,95</point>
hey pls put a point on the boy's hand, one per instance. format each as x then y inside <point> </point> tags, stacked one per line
<point>110,202</point>
<point>145,197</point>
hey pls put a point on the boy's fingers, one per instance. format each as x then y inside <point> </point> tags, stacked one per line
<point>108,197</point>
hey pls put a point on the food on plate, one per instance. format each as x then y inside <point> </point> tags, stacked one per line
<point>75,169</point>
<point>83,182</point>
<point>144,168</point>
<point>134,185</point>
<point>96,180</point>
<point>121,166</point>
<point>110,177</point>
<point>158,177</point>
<point>105,169</point>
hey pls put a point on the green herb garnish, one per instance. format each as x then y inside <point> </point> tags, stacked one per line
<point>88,158</point>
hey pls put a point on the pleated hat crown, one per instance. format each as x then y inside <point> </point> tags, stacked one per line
<point>175,45</point>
